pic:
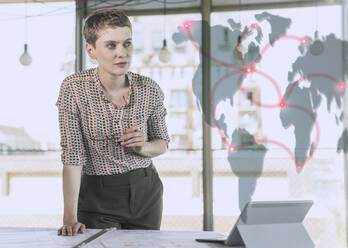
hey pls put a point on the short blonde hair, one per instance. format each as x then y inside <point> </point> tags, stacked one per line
<point>102,18</point>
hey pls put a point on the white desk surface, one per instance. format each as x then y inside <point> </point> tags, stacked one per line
<point>25,237</point>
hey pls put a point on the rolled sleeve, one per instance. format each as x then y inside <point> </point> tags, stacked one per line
<point>157,128</point>
<point>71,138</point>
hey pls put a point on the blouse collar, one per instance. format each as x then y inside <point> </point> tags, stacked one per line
<point>101,87</point>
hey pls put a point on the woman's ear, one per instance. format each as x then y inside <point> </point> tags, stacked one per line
<point>90,51</point>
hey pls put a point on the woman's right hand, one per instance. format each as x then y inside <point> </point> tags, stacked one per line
<point>72,229</point>
<point>71,186</point>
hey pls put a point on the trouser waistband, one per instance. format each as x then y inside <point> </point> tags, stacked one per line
<point>119,179</point>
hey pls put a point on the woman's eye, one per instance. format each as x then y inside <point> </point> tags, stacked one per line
<point>127,44</point>
<point>111,45</point>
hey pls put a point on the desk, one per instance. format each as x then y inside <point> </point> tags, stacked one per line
<point>24,237</point>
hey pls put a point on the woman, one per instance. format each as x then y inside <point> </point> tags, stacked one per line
<point>112,122</point>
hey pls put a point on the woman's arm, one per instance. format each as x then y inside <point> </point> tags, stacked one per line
<point>71,188</point>
<point>152,148</point>
<point>157,134</point>
<point>73,157</point>
<point>135,139</point>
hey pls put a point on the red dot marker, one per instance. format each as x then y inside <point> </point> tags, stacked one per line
<point>341,86</point>
<point>248,69</point>
<point>254,26</point>
<point>187,25</point>
<point>232,148</point>
<point>299,166</point>
<point>282,104</point>
<point>304,41</point>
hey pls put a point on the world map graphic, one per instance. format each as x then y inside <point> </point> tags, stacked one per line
<point>320,65</point>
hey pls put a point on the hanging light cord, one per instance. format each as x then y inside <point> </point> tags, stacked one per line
<point>26,21</point>
<point>316,15</point>
<point>164,23</point>
<point>72,8</point>
<point>239,10</point>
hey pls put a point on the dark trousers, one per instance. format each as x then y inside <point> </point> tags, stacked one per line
<point>132,200</point>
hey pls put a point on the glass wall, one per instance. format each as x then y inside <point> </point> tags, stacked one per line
<point>30,168</point>
<point>277,104</point>
<point>181,167</point>
<point>277,112</point>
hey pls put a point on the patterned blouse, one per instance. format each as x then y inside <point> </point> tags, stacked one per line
<point>91,125</point>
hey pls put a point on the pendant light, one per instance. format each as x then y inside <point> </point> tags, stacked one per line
<point>239,50</point>
<point>164,54</point>
<point>317,47</point>
<point>25,58</point>
<point>225,44</point>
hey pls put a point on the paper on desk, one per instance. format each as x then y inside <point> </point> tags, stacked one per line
<point>13,237</point>
<point>151,239</point>
<point>25,237</point>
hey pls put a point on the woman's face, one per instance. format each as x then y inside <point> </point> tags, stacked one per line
<point>113,46</point>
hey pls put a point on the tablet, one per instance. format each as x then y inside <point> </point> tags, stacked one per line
<point>266,214</point>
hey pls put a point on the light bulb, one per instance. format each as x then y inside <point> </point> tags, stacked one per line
<point>25,58</point>
<point>317,47</point>
<point>164,55</point>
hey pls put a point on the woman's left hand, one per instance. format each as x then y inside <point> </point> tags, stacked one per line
<point>134,138</point>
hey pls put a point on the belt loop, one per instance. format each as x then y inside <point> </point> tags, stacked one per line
<point>145,171</point>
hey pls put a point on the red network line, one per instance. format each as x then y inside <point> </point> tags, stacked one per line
<point>303,40</point>
<point>251,70</point>
<point>187,25</point>
<point>340,85</point>
<point>233,148</point>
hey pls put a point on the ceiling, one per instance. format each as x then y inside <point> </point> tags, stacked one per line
<point>184,5</point>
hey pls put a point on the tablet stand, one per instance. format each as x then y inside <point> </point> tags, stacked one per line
<point>284,235</point>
